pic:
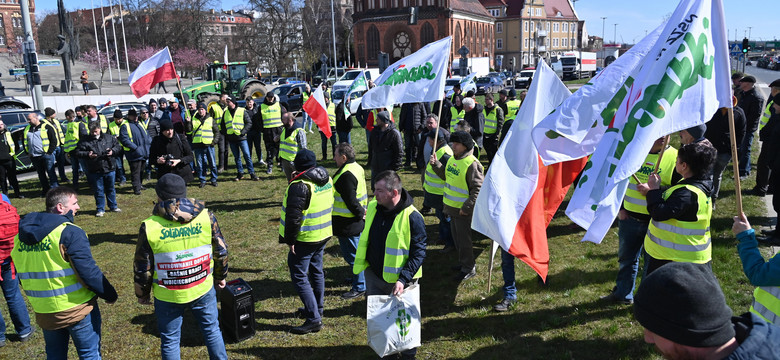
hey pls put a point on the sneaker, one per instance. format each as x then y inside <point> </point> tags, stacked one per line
<point>352,294</point>
<point>504,305</point>
<point>100,214</point>
<point>261,163</point>
<point>611,297</point>
<point>255,178</point>
<point>214,183</point>
<point>239,177</point>
<point>269,170</point>
<point>202,184</point>
<point>116,210</point>
<point>463,276</point>
<point>425,210</point>
<point>28,336</point>
<point>307,327</point>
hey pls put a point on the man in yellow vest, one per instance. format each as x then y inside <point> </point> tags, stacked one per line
<point>291,140</point>
<point>350,201</point>
<point>93,116</point>
<point>204,131</point>
<point>307,121</point>
<point>217,111</point>
<point>8,161</point>
<point>463,176</point>
<point>180,247</point>
<point>456,114</point>
<point>234,126</point>
<point>633,220</point>
<point>40,140</point>
<point>136,143</point>
<point>392,245</point>
<point>305,227</point>
<point>768,143</point>
<point>512,105</point>
<point>331,107</point>
<point>60,278</point>
<point>59,154</point>
<point>494,120</point>
<point>433,185</point>
<point>679,229</point>
<point>271,116</point>
<point>75,129</point>
<point>113,129</point>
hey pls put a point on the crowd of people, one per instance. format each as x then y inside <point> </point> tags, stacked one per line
<point>665,215</point>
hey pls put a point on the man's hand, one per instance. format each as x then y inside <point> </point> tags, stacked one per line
<point>643,188</point>
<point>740,224</point>
<point>92,155</point>
<point>398,289</point>
<point>462,213</point>
<point>622,214</point>
<point>221,284</point>
<point>110,152</point>
<point>654,181</point>
<point>145,300</point>
<point>161,160</point>
<point>292,249</point>
<point>175,162</point>
<point>433,158</point>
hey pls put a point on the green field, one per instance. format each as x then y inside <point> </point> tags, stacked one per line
<point>563,320</point>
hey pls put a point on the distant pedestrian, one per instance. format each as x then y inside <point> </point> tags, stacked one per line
<point>161,85</point>
<point>85,82</point>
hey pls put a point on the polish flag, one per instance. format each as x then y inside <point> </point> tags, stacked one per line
<point>153,70</point>
<point>318,111</point>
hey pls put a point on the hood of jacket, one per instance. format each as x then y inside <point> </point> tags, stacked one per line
<point>477,108</point>
<point>273,101</point>
<point>465,154</point>
<point>702,182</point>
<point>182,210</point>
<point>318,175</point>
<point>406,200</point>
<point>34,227</point>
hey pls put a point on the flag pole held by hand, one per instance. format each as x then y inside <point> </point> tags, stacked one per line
<point>735,160</point>
<point>661,154</point>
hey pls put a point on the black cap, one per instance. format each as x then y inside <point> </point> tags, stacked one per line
<point>304,160</point>
<point>502,92</point>
<point>697,132</point>
<point>749,78</point>
<point>171,186</point>
<point>462,138</point>
<point>512,93</point>
<point>775,83</point>
<point>233,99</point>
<point>162,100</point>
<point>49,112</point>
<point>202,105</point>
<point>470,93</point>
<point>166,124</point>
<point>737,75</point>
<point>152,101</point>
<point>384,116</point>
<point>132,112</point>
<point>683,302</point>
<point>117,114</point>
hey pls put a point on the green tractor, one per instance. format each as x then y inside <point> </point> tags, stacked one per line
<point>230,78</point>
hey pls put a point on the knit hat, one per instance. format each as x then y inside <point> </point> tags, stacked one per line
<point>162,100</point>
<point>202,106</point>
<point>512,93</point>
<point>384,116</point>
<point>502,92</point>
<point>152,101</point>
<point>166,124</point>
<point>463,138</point>
<point>697,132</point>
<point>117,114</point>
<point>132,112</point>
<point>171,186</point>
<point>304,160</point>
<point>684,303</point>
<point>49,112</point>
<point>749,78</point>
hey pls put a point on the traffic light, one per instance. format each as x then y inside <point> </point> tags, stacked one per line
<point>745,45</point>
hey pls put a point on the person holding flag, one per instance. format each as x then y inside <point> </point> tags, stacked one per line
<point>433,185</point>
<point>331,109</point>
<point>385,150</point>
<point>494,120</point>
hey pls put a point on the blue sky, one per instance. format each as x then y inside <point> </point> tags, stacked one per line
<point>634,17</point>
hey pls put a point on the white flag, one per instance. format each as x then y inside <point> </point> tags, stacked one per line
<point>683,80</point>
<point>418,77</point>
<point>358,85</point>
<point>226,57</point>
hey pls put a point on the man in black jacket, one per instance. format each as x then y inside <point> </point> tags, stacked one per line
<point>475,118</point>
<point>7,162</point>
<point>385,151</point>
<point>350,200</point>
<point>234,125</point>
<point>768,143</point>
<point>171,152</point>
<point>99,150</point>
<point>411,124</point>
<point>719,135</point>
<point>343,125</point>
<point>254,135</point>
<point>752,103</point>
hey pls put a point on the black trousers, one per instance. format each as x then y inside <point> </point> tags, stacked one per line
<point>222,153</point>
<point>764,165</point>
<point>491,145</point>
<point>40,165</point>
<point>324,142</point>
<point>136,173</point>
<point>8,172</point>
<point>271,146</point>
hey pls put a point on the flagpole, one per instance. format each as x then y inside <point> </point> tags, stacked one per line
<point>735,161</point>
<point>441,105</point>
<point>661,154</point>
<point>181,92</point>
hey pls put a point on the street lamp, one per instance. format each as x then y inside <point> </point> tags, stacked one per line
<point>603,22</point>
<point>614,36</point>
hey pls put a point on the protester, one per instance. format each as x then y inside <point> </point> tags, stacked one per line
<point>464,176</point>
<point>271,116</point>
<point>343,124</point>
<point>305,227</point>
<point>254,136</point>
<point>135,142</point>
<point>719,134</point>
<point>411,123</point>
<point>99,149</point>
<point>685,315</point>
<point>385,150</point>
<point>50,244</point>
<point>157,252</point>
<point>113,128</point>
<point>152,126</point>
<point>768,144</point>
<point>753,104</point>
<point>434,186</point>
<point>456,114</point>
<point>331,109</point>
<point>475,118</point>
<point>693,135</point>
<point>76,128</point>
<point>680,227</point>
<point>59,154</point>
<point>40,140</point>
<point>234,126</point>
<point>494,120</point>
<point>8,162</point>
<point>9,281</point>
<point>513,104</point>
<point>392,245</point>
<point>291,141</point>
<point>350,201</point>
<point>203,130</point>
<point>171,152</point>
<point>307,121</point>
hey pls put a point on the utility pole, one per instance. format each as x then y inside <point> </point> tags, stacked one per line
<point>614,36</point>
<point>31,58</point>
<point>603,22</point>
<point>333,26</point>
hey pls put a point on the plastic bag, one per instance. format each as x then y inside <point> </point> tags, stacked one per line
<point>394,322</point>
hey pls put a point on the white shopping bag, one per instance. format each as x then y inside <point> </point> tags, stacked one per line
<point>394,322</point>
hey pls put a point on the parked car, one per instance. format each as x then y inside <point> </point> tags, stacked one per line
<point>488,84</point>
<point>523,80</point>
<point>294,80</point>
<point>357,97</point>
<point>290,96</point>
<point>16,120</point>
<point>450,83</point>
<point>500,75</point>
<point>10,102</point>
<point>345,81</point>
<point>108,110</point>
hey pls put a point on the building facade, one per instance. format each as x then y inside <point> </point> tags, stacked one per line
<point>11,32</point>
<point>383,26</point>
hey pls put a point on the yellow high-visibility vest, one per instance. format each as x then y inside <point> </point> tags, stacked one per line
<point>682,241</point>
<point>339,206</point>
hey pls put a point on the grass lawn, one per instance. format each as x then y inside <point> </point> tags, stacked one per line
<point>563,320</point>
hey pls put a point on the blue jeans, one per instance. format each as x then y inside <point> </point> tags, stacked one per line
<point>344,137</point>
<point>244,146</point>
<point>13,297</point>
<point>205,156</point>
<point>721,161</point>
<point>508,272</point>
<point>348,246</point>
<point>631,237</point>
<point>308,278</point>
<point>445,230</point>
<point>44,166</point>
<point>169,320</point>
<point>85,335</point>
<point>744,154</point>
<point>103,185</point>
<point>120,169</point>
<point>59,157</point>
<point>307,121</point>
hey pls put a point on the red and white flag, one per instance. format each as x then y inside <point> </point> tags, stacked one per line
<point>151,71</point>
<point>520,195</point>
<point>318,111</point>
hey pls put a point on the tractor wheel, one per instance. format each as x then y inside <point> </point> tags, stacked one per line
<point>211,100</point>
<point>254,91</point>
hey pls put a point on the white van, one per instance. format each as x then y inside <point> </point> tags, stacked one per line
<point>346,81</point>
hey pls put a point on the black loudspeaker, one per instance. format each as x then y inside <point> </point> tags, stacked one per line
<point>238,311</point>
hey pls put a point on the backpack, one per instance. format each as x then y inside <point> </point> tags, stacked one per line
<point>9,227</point>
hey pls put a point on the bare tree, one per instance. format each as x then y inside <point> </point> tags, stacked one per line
<point>275,36</point>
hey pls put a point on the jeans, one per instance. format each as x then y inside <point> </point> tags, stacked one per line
<point>103,186</point>
<point>244,148</point>
<point>308,278</point>
<point>204,156</point>
<point>169,320</point>
<point>307,121</point>
<point>255,141</point>
<point>85,335</point>
<point>721,161</point>
<point>631,237</point>
<point>344,137</point>
<point>744,153</point>
<point>445,230</point>
<point>348,246</point>
<point>13,297</point>
<point>120,169</point>
<point>59,157</point>
<point>508,272</point>
<point>44,165</point>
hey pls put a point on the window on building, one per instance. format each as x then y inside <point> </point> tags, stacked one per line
<point>538,12</point>
<point>564,42</point>
<point>405,3</point>
<point>555,42</point>
<point>573,27</point>
<point>499,44</point>
<point>525,45</point>
<point>226,29</point>
<point>426,34</point>
<point>573,42</point>
<point>232,19</point>
<point>495,12</point>
<point>19,40</point>
<point>17,21</point>
<point>525,59</point>
<point>371,4</point>
<point>382,4</point>
<point>430,2</point>
<point>2,40</point>
<point>372,42</point>
<point>547,26</point>
<point>555,27</point>
<point>547,42</point>
<point>2,24</point>
<point>499,27</point>
<point>359,6</point>
<point>565,27</point>
<point>525,26</point>
<point>395,3</point>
